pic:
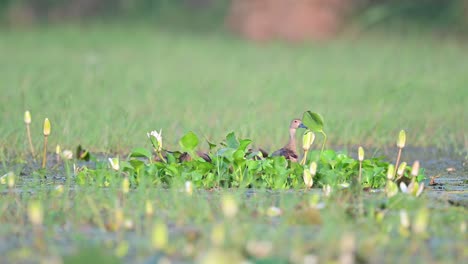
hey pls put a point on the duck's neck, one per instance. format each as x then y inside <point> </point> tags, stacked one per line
<point>292,139</point>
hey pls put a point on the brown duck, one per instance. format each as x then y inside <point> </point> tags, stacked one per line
<point>289,150</point>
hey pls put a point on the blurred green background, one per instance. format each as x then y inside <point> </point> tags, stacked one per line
<point>106,72</point>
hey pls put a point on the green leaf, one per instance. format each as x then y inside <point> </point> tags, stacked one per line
<point>238,155</point>
<point>232,141</point>
<point>313,121</point>
<point>136,164</point>
<point>189,142</point>
<point>141,153</point>
<point>244,143</point>
<point>211,145</point>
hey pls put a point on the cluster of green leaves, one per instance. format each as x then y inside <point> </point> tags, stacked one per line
<point>233,164</point>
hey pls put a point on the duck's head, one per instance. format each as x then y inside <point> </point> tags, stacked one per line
<point>296,123</point>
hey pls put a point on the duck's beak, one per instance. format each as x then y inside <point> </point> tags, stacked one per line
<point>302,126</point>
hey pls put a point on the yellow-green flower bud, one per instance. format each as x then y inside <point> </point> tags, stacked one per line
<point>415,169</point>
<point>401,169</point>
<point>229,206</point>
<point>35,213</point>
<point>125,185</point>
<point>119,217</point>
<point>313,168</point>
<point>218,234</point>
<point>188,187</point>
<point>46,127</point>
<point>391,172</point>
<point>11,180</point>
<point>361,154</point>
<point>401,139</point>
<point>421,221</point>
<point>149,208</point>
<point>308,180</point>
<point>391,189</point>
<point>27,117</point>
<point>307,140</point>
<point>160,236</point>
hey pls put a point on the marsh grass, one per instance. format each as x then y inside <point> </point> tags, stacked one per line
<point>104,86</point>
<point>95,215</point>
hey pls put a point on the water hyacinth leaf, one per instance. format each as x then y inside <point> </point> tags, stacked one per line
<point>232,141</point>
<point>239,155</point>
<point>135,164</point>
<point>189,142</point>
<point>128,166</point>
<point>244,143</point>
<point>211,145</point>
<point>313,121</point>
<point>82,154</point>
<point>141,153</point>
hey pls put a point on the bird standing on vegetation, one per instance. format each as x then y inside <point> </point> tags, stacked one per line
<point>289,150</point>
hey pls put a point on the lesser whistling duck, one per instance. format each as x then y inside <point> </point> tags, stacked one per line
<point>289,150</point>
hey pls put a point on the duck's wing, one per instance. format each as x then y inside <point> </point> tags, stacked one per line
<point>287,153</point>
<point>290,154</point>
<point>204,156</point>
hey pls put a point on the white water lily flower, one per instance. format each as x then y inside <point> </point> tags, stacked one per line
<point>156,139</point>
<point>114,162</point>
<point>67,154</point>
<point>413,188</point>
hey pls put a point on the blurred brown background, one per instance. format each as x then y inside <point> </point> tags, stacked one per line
<point>258,20</point>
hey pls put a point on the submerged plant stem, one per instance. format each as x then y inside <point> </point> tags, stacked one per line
<point>31,147</point>
<point>44,154</point>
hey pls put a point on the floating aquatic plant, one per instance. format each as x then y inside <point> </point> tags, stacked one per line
<point>156,140</point>
<point>314,122</point>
